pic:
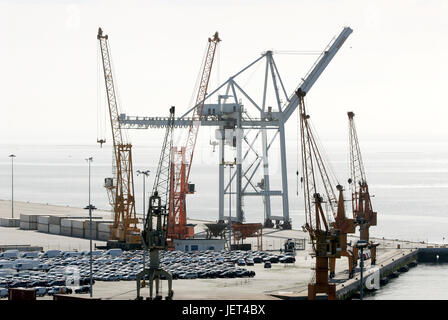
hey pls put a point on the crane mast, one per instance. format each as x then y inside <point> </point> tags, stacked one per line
<point>121,187</point>
<point>361,203</point>
<point>325,239</point>
<point>154,234</point>
<point>182,157</point>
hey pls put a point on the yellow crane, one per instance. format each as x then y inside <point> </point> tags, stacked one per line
<point>124,232</point>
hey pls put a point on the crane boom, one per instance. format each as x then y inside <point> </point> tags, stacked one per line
<point>315,72</point>
<point>121,187</point>
<point>182,158</point>
<point>200,101</point>
<point>325,239</point>
<point>162,177</point>
<point>363,212</point>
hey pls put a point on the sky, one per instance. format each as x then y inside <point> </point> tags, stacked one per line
<point>391,71</point>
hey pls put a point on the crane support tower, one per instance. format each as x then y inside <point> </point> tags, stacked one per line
<point>182,157</point>
<point>155,230</point>
<point>325,239</point>
<point>363,213</point>
<point>124,232</point>
<point>344,225</point>
<point>252,123</point>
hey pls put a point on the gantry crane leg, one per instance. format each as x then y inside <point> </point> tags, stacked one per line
<point>351,264</point>
<point>321,285</point>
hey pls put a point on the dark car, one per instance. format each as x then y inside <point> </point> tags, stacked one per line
<point>257,259</point>
<point>287,259</point>
<point>267,264</point>
<point>82,289</point>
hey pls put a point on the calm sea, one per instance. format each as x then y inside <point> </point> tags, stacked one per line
<point>409,181</point>
<point>425,282</point>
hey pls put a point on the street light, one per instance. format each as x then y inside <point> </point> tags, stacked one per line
<point>230,165</point>
<point>90,207</point>
<point>144,174</point>
<point>361,244</point>
<point>12,156</point>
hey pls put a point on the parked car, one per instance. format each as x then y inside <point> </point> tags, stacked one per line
<point>114,252</point>
<point>59,290</point>
<point>40,291</point>
<point>241,262</point>
<point>83,289</point>
<point>29,254</point>
<point>267,264</point>
<point>249,262</point>
<point>287,259</point>
<point>50,254</point>
<point>3,292</point>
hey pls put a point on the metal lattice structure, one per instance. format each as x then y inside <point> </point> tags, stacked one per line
<point>363,212</point>
<point>244,121</point>
<point>325,238</point>
<point>121,187</point>
<point>182,157</point>
<point>162,177</point>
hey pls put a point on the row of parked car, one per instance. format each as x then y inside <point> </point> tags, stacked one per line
<point>42,291</point>
<point>53,268</point>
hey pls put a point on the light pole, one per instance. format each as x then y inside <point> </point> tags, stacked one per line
<point>144,174</point>
<point>361,244</point>
<point>90,207</point>
<point>230,165</point>
<point>12,156</point>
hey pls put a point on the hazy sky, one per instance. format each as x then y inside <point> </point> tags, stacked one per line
<point>392,71</point>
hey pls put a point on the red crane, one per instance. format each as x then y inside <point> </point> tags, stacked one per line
<point>325,238</point>
<point>182,157</point>
<point>363,213</point>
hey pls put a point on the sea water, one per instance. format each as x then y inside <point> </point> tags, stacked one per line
<point>408,181</point>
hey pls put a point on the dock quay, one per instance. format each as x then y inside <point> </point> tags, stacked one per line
<point>282,281</point>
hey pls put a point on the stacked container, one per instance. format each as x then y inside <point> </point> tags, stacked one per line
<point>28,221</point>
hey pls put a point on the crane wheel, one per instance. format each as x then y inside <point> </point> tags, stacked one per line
<point>158,298</point>
<point>139,298</point>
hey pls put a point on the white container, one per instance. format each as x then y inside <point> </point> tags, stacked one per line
<point>87,234</point>
<point>30,218</point>
<point>42,228</point>
<point>66,231</point>
<point>56,220</point>
<point>104,227</point>
<point>28,225</point>
<point>43,219</point>
<point>54,229</point>
<point>76,232</point>
<point>78,224</point>
<point>9,222</point>
<point>103,236</point>
<point>67,223</point>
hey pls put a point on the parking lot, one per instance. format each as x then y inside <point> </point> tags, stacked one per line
<point>56,271</point>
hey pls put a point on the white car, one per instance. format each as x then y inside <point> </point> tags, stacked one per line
<point>10,254</point>
<point>40,291</point>
<point>50,254</point>
<point>114,252</point>
<point>29,254</point>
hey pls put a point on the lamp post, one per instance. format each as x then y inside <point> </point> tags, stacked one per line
<point>361,245</point>
<point>144,174</point>
<point>90,207</point>
<point>230,165</point>
<point>12,156</point>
